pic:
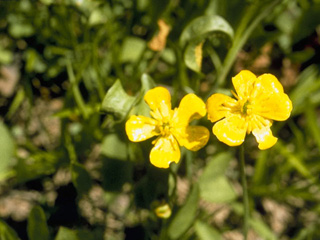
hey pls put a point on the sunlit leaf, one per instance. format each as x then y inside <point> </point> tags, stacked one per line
<point>66,234</point>
<point>6,232</point>
<point>262,229</point>
<point>141,107</point>
<point>193,56</point>
<point>113,147</point>
<point>206,232</point>
<point>200,29</point>
<point>37,224</point>
<point>214,186</point>
<point>117,101</point>
<point>132,49</point>
<point>7,147</point>
<point>185,216</point>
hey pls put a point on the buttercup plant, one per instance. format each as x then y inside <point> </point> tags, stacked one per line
<point>259,101</point>
<point>170,126</point>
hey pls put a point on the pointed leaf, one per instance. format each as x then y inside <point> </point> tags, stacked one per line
<point>113,147</point>
<point>206,26</point>
<point>200,29</point>
<point>80,178</point>
<point>214,186</point>
<point>185,216</point>
<point>206,232</point>
<point>117,101</point>
<point>37,225</point>
<point>6,232</point>
<point>6,148</point>
<point>66,234</point>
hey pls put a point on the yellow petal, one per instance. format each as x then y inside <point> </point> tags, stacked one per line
<point>159,99</point>
<point>264,137</point>
<point>165,151</point>
<point>243,83</point>
<point>192,137</point>
<point>218,106</point>
<point>231,130</point>
<point>269,100</point>
<point>191,107</point>
<point>140,128</point>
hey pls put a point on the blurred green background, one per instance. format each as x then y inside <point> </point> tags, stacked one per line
<point>72,71</point>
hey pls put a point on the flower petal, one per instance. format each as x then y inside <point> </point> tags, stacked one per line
<point>269,100</point>
<point>192,137</point>
<point>159,99</point>
<point>264,137</point>
<point>218,106</point>
<point>243,83</point>
<point>165,151</point>
<point>140,128</point>
<point>231,130</point>
<point>191,107</point>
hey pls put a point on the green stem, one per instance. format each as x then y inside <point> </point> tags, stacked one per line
<point>242,35</point>
<point>245,194</point>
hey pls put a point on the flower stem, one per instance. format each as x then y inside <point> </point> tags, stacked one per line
<point>245,194</point>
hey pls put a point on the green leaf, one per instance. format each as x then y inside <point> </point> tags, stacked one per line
<point>117,101</point>
<point>262,229</point>
<point>37,225</point>
<point>66,234</point>
<point>214,186</point>
<point>206,232</point>
<point>113,147</point>
<point>132,49</point>
<point>185,216</point>
<point>80,178</point>
<point>193,56</point>
<point>7,148</point>
<point>141,107</point>
<point>6,232</point>
<point>205,26</point>
<point>200,29</point>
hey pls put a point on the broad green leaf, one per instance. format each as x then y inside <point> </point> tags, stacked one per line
<point>206,26</point>
<point>6,56</point>
<point>37,225</point>
<point>80,178</point>
<point>117,101</point>
<point>66,234</point>
<point>6,232</point>
<point>193,56</point>
<point>262,229</point>
<point>141,107</point>
<point>185,216</point>
<point>113,147</point>
<point>200,29</point>
<point>214,186</point>
<point>205,232</point>
<point>7,148</point>
<point>132,49</point>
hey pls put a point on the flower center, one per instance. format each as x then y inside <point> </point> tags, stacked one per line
<point>245,107</point>
<point>165,128</point>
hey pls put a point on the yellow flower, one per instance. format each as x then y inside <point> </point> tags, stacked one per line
<point>163,210</point>
<point>259,101</point>
<point>171,126</point>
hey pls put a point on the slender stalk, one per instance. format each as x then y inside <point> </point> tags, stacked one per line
<point>242,35</point>
<point>245,194</point>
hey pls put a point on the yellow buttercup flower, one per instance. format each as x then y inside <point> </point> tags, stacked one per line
<point>163,210</point>
<point>259,101</point>
<point>170,126</point>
